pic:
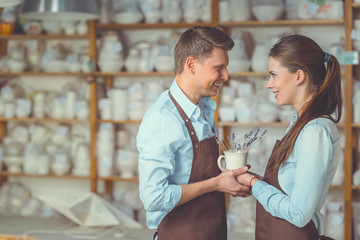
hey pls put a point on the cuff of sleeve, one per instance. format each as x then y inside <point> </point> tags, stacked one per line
<point>256,188</point>
<point>172,198</point>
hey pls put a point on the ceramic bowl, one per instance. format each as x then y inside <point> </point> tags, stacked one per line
<point>13,163</point>
<point>164,63</point>
<point>60,168</point>
<point>109,66</point>
<point>238,65</point>
<point>15,65</point>
<point>266,13</point>
<point>54,65</point>
<point>127,17</point>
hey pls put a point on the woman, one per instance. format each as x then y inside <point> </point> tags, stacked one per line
<point>302,165</point>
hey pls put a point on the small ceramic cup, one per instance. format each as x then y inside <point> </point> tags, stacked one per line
<point>233,159</point>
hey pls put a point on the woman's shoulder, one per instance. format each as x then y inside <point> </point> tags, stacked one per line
<point>322,124</point>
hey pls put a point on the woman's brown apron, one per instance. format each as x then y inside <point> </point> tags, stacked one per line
<point>269,227</point>
<point>203,218</point>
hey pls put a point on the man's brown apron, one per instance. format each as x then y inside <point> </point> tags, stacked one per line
<point>269,227</point>
<point>203,218</point>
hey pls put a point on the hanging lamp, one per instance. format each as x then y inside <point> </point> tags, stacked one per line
<point>69,10</point>
<point>7,3</point>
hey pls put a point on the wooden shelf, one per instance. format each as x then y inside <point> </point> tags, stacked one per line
<point>283,23</point>
<point>350,128</point>
<point>253,124</point>
<point>271,124</point>
<point>61,120</point>
<point>42,74</point>
<point>119,179</point>
<point>42,36</point>
<point>150,25</point>
<point>119,122</point>
<point>9,174</point>
<point>172,74</point>
<point>249,74</point>
<point>136,74</point>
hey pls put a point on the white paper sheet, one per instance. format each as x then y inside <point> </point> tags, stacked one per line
<point>88,209</point>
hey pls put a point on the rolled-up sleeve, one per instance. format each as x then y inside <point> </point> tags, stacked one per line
<point>312,155</point>
<point>158,138</point>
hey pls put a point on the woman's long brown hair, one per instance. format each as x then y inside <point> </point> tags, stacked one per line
<point>299,52</point>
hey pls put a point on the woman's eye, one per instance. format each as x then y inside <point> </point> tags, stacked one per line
<point>273,75</point>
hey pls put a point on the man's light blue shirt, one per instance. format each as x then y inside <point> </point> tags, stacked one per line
<point>166,152</point>
<point>305,177</point>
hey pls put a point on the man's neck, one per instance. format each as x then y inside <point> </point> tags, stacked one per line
<point>185,85</point>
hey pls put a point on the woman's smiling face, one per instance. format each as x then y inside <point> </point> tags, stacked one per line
<point>283,84</point>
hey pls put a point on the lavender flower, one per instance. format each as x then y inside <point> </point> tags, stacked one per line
<point>249,141</point>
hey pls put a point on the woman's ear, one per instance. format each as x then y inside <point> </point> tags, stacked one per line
<point>300,77</point>
<point>190,64</point>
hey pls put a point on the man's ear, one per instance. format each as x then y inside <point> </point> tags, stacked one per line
<point>300,77</point>
<point>190,65</point>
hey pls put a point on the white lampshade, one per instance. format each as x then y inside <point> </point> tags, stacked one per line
<point>6,3</point>
<point>70,10</point>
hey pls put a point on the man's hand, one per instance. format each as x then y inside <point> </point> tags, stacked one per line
<point>227,182</point>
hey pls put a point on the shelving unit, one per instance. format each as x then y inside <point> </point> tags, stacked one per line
<point>351,129</point>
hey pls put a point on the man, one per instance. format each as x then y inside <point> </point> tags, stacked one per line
<point>181,187</point>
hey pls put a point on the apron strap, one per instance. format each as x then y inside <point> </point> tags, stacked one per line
<point>187,121</point>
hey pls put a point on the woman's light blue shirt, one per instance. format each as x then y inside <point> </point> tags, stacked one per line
<point>166,151</point>
<point>305,177</point>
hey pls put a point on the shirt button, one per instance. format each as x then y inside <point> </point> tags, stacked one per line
<point>295,212</point>
<point>186,120</point>
<point>196,146</point>
<point>192,133</point>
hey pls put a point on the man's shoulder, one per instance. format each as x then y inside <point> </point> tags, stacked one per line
<point>162,109</point>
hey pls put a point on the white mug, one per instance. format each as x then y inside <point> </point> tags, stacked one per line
<point>233,159</point>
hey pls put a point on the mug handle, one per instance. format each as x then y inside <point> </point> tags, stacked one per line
<point>220,158</point>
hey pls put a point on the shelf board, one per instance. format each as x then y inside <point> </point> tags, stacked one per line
<point>62,120</point>
<point>119,122</point>
<point>120,179</point>
<point>337,186</point>
<point>285,22</point>
<point>355,187</point>
<point>43,36</point>
<point>150,25</point>
<point>10,174</point>
<point>172,74</point>
<point>136,74</point>
<point>253,124</point>
<point>356,5</point>
<point>355,125</point>
<point>271,124</point>
<point>249,74</point>
<point>43,74</point>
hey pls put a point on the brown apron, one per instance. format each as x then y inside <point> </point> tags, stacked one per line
<point>269,227</point>
<point>203,218</point>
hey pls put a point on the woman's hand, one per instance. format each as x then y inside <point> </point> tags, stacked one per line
<point>248,179</point>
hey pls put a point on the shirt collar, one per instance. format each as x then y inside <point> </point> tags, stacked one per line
<point>186,104</point>
<point>292,122</point>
